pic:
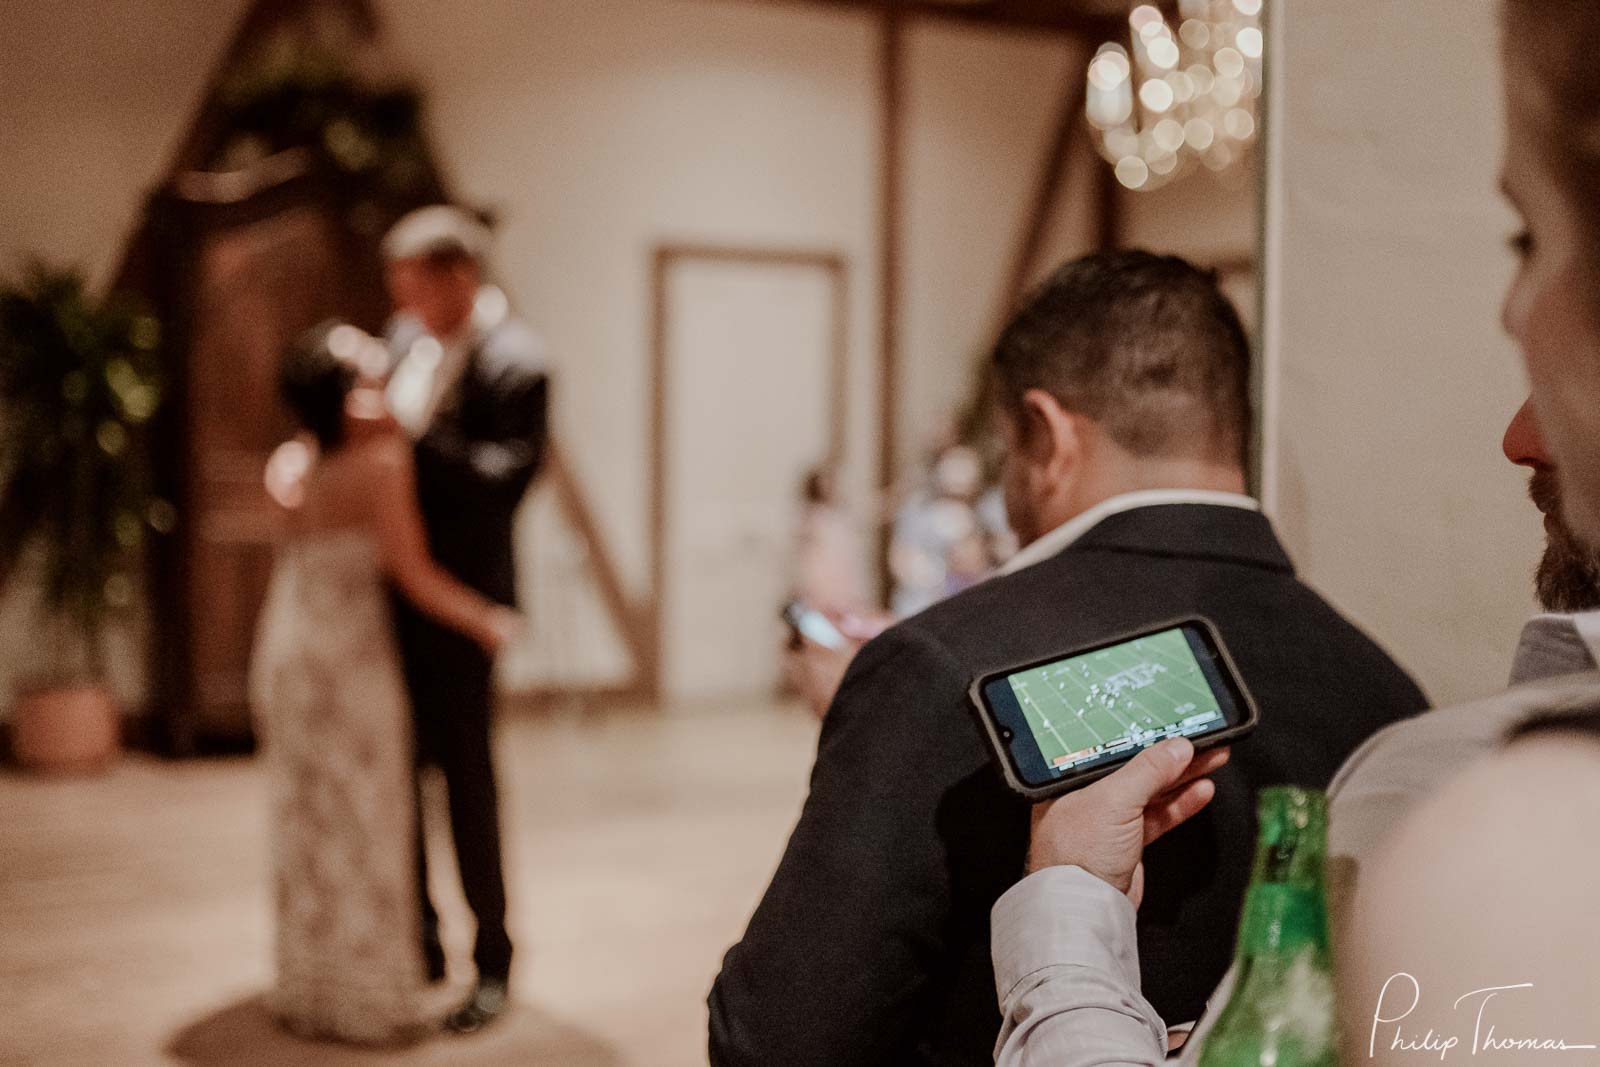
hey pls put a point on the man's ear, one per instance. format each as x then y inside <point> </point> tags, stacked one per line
<point>1051,436</point>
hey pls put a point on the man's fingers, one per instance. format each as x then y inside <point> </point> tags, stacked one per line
<point>1199,769</point>
<point>1152,779</point>
<point>1177,808</point>
<point>1204,764</point>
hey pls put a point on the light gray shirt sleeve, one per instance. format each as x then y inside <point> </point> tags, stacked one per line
<point>1066,965</point>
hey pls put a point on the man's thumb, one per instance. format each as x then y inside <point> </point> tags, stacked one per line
<point>1153,771</point>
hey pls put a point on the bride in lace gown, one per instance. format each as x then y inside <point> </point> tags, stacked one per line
<point>331,705</point>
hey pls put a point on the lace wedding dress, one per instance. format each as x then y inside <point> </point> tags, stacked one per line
<point>331,707</point>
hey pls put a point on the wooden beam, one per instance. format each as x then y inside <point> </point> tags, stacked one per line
<point>631,620</point>
<point>1108,216</point>
<point>1052,17</point>
<point>659,470</point>
<point>891,178</point>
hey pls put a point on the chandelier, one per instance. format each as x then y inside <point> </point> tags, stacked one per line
<point>1178,99</point>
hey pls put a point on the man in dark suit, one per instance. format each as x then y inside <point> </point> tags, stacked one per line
<point>1123,393</point>
<point>470,387</point>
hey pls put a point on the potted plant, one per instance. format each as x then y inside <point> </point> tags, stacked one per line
<point>78,386</point>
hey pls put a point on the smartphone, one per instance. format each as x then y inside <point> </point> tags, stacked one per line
<point>1060,723</point>
<point>813,625</point>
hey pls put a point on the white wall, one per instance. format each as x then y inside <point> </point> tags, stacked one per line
<point>1393,380</point>
<point>1203,216</point>
<point>94,97</point>
<point>980,115</point>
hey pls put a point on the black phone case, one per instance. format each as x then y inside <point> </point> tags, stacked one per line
<point>998,746</point>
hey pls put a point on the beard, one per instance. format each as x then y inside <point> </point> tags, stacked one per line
<point>1568,578</point>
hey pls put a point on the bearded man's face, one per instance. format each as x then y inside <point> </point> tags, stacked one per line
<point>1568,578</point>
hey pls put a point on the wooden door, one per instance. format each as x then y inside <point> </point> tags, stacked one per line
<point>258,286</point>
<point>750,378</point>
<point>247,277</point>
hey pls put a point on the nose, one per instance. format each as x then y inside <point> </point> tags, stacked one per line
<point>1523,444</point>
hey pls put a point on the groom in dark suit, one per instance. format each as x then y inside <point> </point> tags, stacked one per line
<point>469,385</point>
<point>1123,390</point>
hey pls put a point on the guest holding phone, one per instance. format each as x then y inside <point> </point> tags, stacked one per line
<point>1123,388</point>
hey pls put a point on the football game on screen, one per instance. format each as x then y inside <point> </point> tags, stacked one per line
<point>1108,701</point>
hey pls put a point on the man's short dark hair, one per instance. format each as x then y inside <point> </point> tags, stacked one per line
<point>1146,345</point>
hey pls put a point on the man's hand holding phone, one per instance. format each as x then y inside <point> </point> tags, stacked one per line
<point>823,645</point>
<point>1105,826</point>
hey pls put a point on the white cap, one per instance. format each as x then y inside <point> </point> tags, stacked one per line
<point>439,228</point>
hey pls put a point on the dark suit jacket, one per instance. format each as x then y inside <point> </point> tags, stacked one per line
<point>479,456</point>
<point>871,945</point>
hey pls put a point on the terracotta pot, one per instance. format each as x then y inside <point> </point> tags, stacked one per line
<point>66,729</point>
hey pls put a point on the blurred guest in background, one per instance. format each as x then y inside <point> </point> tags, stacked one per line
<point>830,567</point>
<point>470,389</point>
<point>329,691</point>
<point>830,577</point>
<point>949,534</point>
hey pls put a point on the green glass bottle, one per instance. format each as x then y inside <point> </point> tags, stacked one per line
<point>1281,1012</point>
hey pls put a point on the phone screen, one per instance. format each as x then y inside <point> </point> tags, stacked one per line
<point>1091,710</point>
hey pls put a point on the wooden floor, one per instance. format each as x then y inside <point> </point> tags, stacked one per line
<point>134,923</point>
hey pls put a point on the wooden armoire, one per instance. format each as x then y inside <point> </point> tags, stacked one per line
<point>244,263</point>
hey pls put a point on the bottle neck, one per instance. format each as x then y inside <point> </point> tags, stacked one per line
<point>1283,919</point>
<point>1285,910</point>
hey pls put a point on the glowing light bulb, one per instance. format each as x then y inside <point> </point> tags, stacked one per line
<point>1163,52</point>
<point>1238,124</point>
<point>1146,21</point>
<point>1132,172</point>
<point>1109,108</point>
<point>1168,135</point>
<point>1198,134</point>
<point>1156,95</point>
<point>1110,67</point>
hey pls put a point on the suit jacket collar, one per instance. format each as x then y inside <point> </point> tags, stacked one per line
<point>1190,531</point>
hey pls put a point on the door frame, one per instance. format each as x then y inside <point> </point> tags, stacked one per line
<point>664,258</point>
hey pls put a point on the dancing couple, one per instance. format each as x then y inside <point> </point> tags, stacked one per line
<point>390,598</point>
